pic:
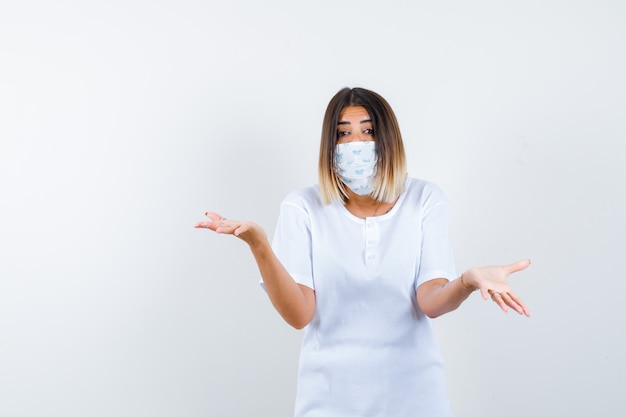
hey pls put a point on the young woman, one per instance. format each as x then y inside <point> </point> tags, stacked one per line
<point>363,262</point>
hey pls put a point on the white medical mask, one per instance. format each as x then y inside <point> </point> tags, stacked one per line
<point>355,163</point>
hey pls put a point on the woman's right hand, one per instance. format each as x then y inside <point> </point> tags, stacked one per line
<point>294,302</point>
<point>249,232</point>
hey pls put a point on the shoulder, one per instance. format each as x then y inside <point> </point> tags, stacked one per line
<point>307,199</point>
<point>424,192</point>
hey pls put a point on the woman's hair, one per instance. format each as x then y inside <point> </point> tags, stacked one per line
<point>391,165</point>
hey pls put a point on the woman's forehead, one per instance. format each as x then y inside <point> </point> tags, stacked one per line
<point>351,113</point>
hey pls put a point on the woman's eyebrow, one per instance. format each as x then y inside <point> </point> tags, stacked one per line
<point>362,122</point>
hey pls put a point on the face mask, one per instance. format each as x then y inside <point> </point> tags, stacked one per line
<point>355,163</point>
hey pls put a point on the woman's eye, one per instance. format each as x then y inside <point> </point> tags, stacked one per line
<point>369,132</point>
<point>342,133</point>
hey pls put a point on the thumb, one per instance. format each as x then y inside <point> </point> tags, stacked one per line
<point>517,266</point>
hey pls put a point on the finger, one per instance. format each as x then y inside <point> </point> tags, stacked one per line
<point>516,299</point>
<point>227,227</point>
<point>214,216</point>
<point>517,266</point>
<point>242,228</point>
<point>497,298</point>
<point>485,293</point>
<point>511,302</point>
<point>203,225</point>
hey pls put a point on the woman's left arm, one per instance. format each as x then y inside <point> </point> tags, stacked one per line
<point>439,296</point>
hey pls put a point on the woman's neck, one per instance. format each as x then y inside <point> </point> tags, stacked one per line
<point>366,206</point>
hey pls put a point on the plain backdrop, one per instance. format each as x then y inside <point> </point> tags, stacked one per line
<point>122,122</point>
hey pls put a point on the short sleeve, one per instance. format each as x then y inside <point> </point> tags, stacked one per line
<point>437,260</point>
<point>292,242</point>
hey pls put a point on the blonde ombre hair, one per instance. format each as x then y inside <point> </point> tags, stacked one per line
<point>391,166</point>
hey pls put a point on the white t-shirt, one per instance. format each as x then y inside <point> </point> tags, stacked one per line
<point>369,350</point>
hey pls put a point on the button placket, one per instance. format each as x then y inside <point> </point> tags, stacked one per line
<point>371,242</point>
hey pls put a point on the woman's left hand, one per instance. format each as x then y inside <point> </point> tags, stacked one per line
<point>492,282</point>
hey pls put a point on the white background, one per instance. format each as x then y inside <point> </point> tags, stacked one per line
<point>122,122</point>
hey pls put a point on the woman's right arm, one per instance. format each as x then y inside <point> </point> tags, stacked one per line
<point>293,301</point>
